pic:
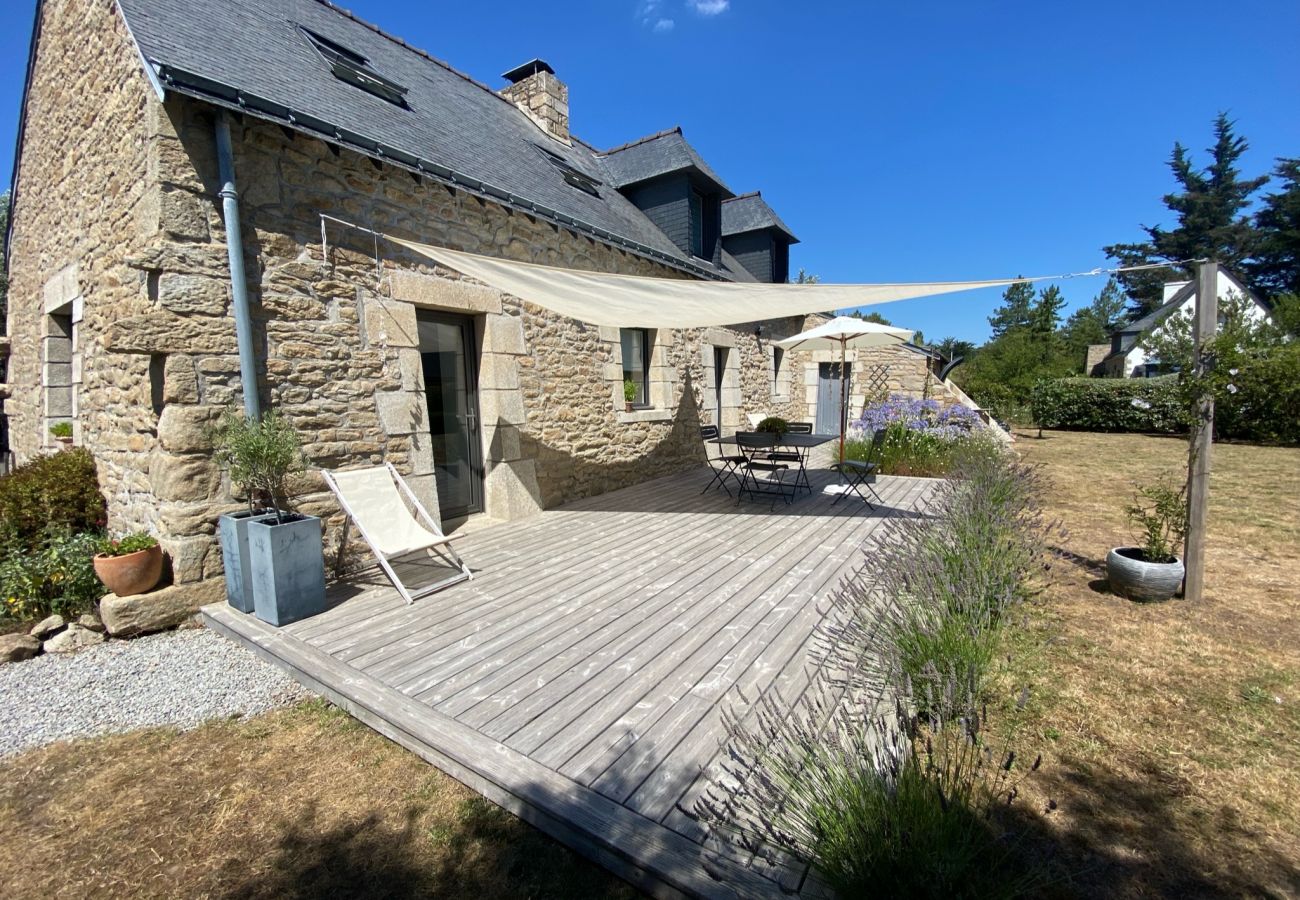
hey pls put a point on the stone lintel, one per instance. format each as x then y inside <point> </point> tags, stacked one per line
<point>444,293</point>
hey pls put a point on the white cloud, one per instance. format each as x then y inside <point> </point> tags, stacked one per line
<point>709,7</point>
<point>650,14</point>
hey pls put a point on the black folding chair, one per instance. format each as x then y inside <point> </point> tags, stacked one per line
<point>796,456</point>
<point>858,474</point>
<point>756,447</point>
<point>723,464</point>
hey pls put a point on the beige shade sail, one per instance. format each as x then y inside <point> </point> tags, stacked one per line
<point>636,301</point>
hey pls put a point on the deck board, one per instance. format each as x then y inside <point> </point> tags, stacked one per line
<point>580,678</point>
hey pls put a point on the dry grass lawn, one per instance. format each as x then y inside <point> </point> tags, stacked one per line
<point>299,803</point>
<point>1170,732</point>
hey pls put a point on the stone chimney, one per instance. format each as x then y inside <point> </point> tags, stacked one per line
<point>543,97</point>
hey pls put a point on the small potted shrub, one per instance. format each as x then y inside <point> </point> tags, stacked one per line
<point>129,565</point>
<point>773,425</point>
<point>1152,571</point>
<point>62,432</point>
<point>629,393</point>
<point>285,562</point>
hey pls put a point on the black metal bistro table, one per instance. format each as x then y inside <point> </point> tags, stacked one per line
<point>801,444</point>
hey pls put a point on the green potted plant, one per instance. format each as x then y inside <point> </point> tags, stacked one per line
<point>62,432</point>
<point>285,565</point>
<point>629,393</point>
<point>1153,570</point>
<point>129,565</point>
<point>773,425</point>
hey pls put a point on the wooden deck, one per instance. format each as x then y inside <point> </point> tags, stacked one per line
<point>579,679</point>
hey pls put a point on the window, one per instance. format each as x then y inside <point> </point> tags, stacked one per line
<point>697,224</point>
<point>778,357</point>
<point>636,365</point>
<point>350,66</point>
<point>573,177</point>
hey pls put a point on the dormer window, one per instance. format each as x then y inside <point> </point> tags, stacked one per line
<point>350,66</point>
<point>697,224</point>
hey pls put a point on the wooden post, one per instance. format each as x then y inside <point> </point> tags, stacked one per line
<point>1204,327</point>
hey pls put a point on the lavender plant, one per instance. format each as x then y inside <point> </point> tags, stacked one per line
<point>882,774</point>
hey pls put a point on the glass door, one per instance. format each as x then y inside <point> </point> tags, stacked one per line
<point>451,390</point>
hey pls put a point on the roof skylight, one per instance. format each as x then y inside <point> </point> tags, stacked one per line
<point>572,176</point>
<point>350,66</point>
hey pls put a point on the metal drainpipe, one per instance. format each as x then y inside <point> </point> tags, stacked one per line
<point>238,280</point>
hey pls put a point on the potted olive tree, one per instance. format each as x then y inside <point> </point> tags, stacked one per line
<point>1152,571</point>
<point>282,560</point>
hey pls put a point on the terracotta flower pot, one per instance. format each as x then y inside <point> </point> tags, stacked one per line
<point>133,573</point>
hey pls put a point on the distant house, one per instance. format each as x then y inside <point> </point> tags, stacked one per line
<point>1126,356</point>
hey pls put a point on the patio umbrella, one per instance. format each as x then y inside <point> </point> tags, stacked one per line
<point>845,332</point>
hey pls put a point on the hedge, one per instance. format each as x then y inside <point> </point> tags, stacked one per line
<point>1257,399</point>
<point>59,491</point>
<point>1151,405</point>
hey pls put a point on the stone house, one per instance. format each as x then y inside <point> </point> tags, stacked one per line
<point>1127,355</point>
<point>125,283</point>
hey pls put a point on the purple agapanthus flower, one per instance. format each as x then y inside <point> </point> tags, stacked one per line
<point>920,415</point>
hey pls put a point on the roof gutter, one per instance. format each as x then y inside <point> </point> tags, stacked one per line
<point>238,279</point>
<point>216,93</point>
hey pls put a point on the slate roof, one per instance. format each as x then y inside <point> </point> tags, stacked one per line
<point>655,155</point>
<point>750,212</point>
<point>251,55</point>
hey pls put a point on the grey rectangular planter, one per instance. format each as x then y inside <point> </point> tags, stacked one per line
<point>233,530</point>
<point>288,567</point>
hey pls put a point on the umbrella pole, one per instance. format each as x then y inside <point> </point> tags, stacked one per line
<point>844,394</point>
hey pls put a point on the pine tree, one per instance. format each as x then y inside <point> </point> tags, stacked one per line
<point>1045,314</point>
<point>870,317</point>
<point>1276,267</point>
<point>1211,223</point>
<point>952,348</point>
<point>1016,309</point>
<point>1092,324</point>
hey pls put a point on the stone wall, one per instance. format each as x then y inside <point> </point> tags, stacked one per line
<point>83,205</point>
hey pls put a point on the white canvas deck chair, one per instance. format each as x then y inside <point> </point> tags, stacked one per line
<point>369,497</point>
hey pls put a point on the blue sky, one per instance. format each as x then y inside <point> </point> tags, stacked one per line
<point>901,141</point>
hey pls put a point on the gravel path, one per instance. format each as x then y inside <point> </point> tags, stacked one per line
<point>179,678</point>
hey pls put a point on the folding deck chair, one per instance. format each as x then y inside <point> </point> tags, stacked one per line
<point>858,475</point>
<point>369,497</point>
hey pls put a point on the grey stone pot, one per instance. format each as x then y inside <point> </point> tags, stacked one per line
<point>233,532</point>
<point>288,567</point>
<point>1133,577</point>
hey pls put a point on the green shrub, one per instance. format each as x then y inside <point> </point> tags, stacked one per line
<point>928,828</point>
<point>773,425</point>
<point>56,576</point>
<point>1257,396</point>
<point>59,491</point>
<point>61,429</point>
<point>1146,405</point>
<point>1159,514</point>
